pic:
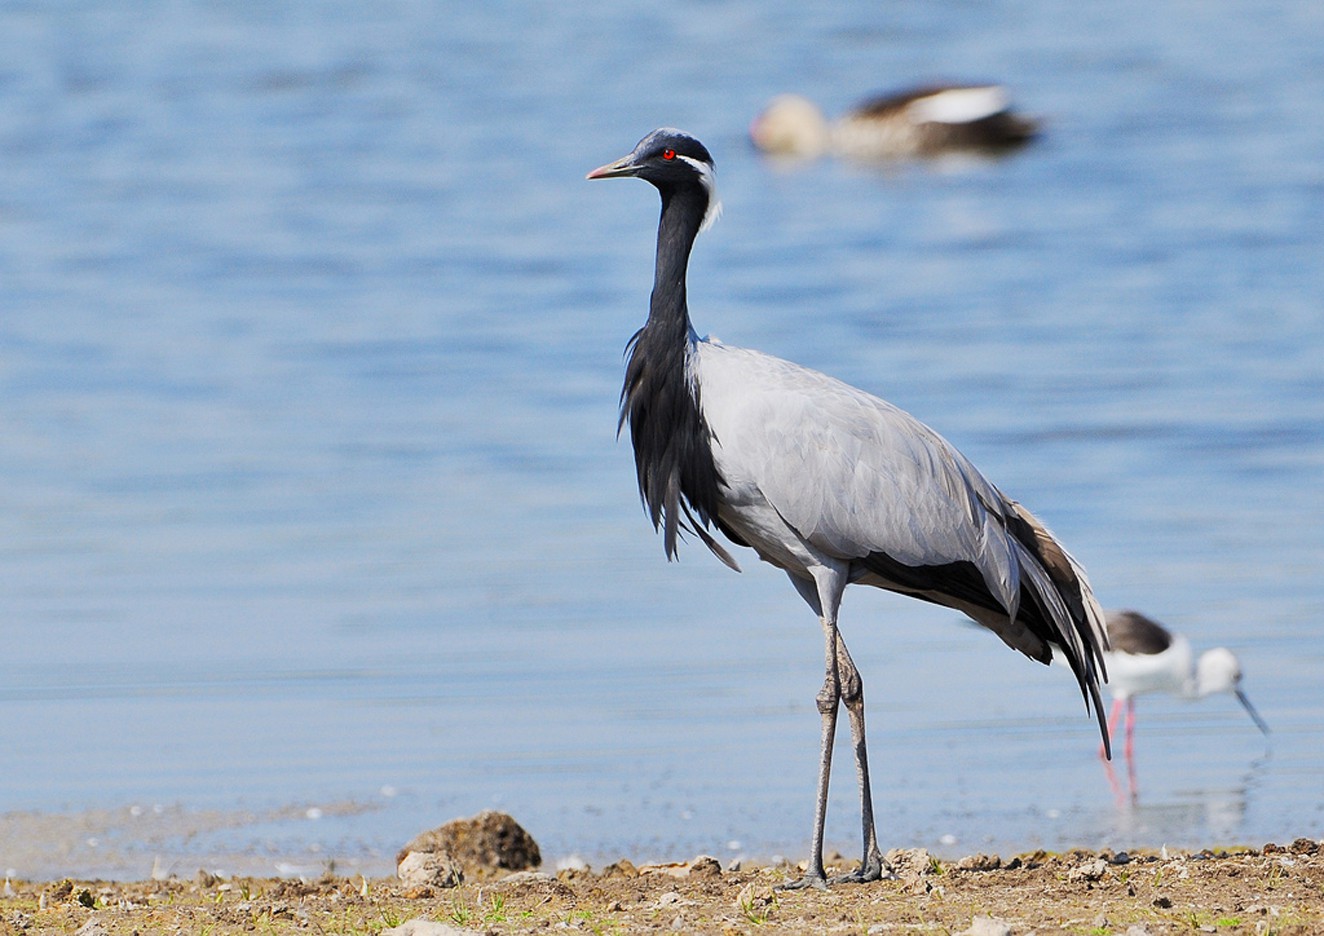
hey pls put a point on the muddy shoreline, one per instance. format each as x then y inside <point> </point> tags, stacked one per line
<point>1267,889</point>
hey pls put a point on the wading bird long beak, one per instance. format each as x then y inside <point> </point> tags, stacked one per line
<point>1250,709</point>
<point>615,170</point>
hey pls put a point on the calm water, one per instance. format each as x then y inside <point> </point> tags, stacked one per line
<point>314,531</point>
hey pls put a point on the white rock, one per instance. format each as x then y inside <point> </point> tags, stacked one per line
<point>418,869</point>
<point>420,927</point>
<point>1090,870</point>
<point>987,926</point>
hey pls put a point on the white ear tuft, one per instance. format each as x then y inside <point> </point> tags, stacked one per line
<point>709,180</point>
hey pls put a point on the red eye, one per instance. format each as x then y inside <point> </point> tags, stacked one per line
<point>668,154</point>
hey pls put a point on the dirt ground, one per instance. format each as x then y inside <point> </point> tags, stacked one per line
<point>1275,889</point>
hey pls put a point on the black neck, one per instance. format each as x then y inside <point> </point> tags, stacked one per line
<point>683,209</point>
<point>672,444</point>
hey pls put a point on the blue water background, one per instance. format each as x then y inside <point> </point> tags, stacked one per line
<point>314,529</point>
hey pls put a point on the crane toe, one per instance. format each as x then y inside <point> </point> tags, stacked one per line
<point>813,879</point>
<point>872,871</point>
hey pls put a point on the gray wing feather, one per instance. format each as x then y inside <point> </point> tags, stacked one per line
<point>851,473</point>
<point>855,477</point>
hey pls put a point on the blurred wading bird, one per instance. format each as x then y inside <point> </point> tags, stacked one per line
<point>828,483</point>
<point>919,122</point>
<point>1147,657</point>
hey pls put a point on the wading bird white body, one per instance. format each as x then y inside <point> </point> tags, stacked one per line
<point>1147,657</point>
<point>828,483</point>
<point>919,122</point>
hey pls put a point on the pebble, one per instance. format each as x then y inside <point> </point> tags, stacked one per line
<point>527,877</point>
<point>979,863</point>
<point>92,927</point>
<point>910,863</point>
<point>705,866</point>
<point>421,927</point>
<point>429,869</point>
<point>1090,870</point>
<point>755,898</point>
<point>987,926</point>
<point>623,868</point>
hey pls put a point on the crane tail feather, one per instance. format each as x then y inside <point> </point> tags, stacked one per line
<point>1067,603</point>
<point>715,547</point>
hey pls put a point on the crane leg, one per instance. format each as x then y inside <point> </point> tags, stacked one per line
<point>841,683</point>
<point>852,695</point>
<point>828,700</point>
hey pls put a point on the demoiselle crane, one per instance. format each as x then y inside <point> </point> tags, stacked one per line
<point>1147,657</point>
<point>828,483</point>
<point>918,122</point>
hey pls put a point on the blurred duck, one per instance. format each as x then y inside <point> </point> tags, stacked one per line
<point>920,122</point>
<point>1147,657</point>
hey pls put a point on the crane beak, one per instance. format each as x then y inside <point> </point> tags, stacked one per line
<point>619,169</point>
<point>1250,710</point>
